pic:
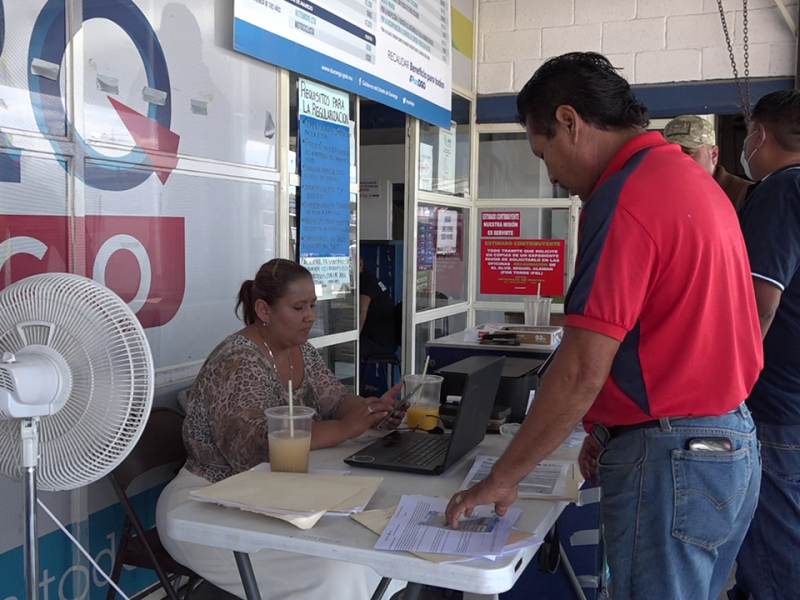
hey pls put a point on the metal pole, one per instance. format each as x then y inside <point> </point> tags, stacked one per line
<point>29,430</point>
<point>381,589</point>
<point>249,581</point>
<point>797,54</point>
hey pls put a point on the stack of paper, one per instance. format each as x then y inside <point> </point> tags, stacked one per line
<point>418,525</point>
<point>550,480</point>
<point>298,498</point>
<point>377,520</point>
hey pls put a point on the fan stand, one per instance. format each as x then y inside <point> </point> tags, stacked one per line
<point>29,429</point>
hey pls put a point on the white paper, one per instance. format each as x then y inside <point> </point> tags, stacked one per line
<point>548,480</point>
<point>447,159</point>
<point>446,231</point>
<point>426,167</point>
<point>265,466</point>
<point>575,438</point>
<point>417,526</point>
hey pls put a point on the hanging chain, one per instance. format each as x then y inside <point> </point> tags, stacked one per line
<point>744,95</point>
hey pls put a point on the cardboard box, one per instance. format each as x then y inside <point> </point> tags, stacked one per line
<point>537,336</point>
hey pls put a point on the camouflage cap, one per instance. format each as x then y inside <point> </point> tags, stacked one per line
<point>690,131</point>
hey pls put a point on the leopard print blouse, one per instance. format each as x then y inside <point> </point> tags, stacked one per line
<point>225,430</point>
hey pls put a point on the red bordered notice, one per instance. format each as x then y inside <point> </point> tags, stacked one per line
<point>521,266</point>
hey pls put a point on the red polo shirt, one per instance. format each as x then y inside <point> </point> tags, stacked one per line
<point>662,267</point>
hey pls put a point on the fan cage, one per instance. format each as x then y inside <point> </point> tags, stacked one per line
<point>111,369</point>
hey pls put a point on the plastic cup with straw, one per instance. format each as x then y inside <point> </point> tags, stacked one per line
<point>289,435</point>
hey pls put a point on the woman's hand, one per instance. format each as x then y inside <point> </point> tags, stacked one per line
<point>363,413</point>
<point>390,399</point>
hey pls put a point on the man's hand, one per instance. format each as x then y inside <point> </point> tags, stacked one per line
<point>588,459</point>
<point>486,492</point>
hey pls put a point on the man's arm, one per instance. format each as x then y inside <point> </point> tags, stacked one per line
<point>768,297</point>
<point>567,391</point>
<point>362,310</point>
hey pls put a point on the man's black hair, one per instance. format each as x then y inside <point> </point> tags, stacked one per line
<point>589,83</point>
<point>780,112</point>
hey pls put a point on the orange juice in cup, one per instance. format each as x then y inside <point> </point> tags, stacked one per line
<point>423,412</point>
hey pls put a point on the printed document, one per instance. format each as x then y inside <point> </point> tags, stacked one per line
<point>377,520</point>
<point>548,480</point>
<point>418,525</point>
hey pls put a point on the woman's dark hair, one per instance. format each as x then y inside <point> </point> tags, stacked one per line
<point>780,112</point>
<point>269,285</point>
<point>589,83</point>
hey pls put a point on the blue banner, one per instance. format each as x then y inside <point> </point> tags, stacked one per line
<point>324,189</point>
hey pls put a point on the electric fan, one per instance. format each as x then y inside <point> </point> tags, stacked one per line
<point>76,386</point>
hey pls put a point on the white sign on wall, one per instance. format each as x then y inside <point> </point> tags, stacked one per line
<point>397,53</point>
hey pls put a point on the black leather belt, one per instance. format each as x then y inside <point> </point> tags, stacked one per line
<point>604,434</point>
<point>620,429</point>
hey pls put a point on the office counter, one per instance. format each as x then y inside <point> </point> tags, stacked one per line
<point>452,348</point>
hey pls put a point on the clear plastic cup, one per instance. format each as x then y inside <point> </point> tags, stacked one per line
<point>537,311</point>
<point>289,438</point>
<point>423,411</point>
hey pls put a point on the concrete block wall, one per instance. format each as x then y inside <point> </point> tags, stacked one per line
<point>652,41</point>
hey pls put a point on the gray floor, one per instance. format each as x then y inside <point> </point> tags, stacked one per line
<point>209,592</point>
<point>206,591</point>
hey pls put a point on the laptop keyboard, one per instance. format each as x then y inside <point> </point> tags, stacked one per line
<point>424,452</point>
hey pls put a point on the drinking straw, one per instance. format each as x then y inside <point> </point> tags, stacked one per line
<point>424,372</point>
<point>536,312</point>
<point>291,410</point>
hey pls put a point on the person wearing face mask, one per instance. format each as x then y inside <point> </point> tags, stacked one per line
<point>696,138</point>
<point>770,219</point>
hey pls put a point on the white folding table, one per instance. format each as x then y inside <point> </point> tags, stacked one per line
<point>341,538</point>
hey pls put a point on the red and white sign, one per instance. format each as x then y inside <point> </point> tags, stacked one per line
<point>500,224</point>
<point>522,266</point>
<point>141,259</point>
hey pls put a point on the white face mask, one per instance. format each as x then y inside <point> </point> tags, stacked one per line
<point>745,160</point>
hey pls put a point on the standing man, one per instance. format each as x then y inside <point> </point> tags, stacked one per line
<point>661,346</point>
<point>768,565</point>
<point>696,138</point>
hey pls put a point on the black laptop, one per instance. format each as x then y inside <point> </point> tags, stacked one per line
<point>433,454</point>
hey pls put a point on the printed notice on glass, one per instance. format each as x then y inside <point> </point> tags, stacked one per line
<point>418,525</point>
<point>447,160</point>
<point>446,231</point>
<point>395,52</point>
<point>426,167</point>
<point>324,154</point>
<point>547,480</point>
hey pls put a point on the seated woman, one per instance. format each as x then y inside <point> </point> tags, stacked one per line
<point>225,430</point>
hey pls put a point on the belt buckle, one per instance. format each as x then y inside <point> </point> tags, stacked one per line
<point>601,434</point>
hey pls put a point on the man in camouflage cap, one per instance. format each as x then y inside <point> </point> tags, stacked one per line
<point>696,136</point>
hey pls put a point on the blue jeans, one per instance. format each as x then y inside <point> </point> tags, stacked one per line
<point>768,566</point>
<point>673,519</point>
